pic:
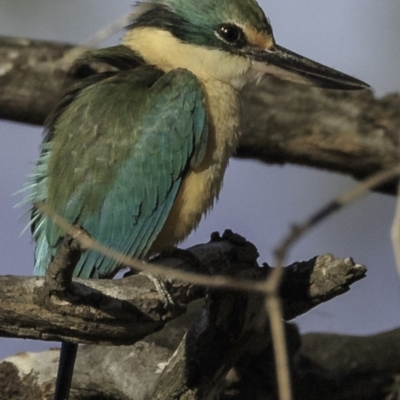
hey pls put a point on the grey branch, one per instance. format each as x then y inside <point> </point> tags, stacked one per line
<point>328,367</point>
<point>350,132</point>
<point>333,367</point>
<point>125,310</point>
<point>228,328</point>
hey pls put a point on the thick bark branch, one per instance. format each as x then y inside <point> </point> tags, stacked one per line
<point>326,366</point>
<point>350,132</point>
<point>125,310</point>
<point>332,367</point>
<point>215,341</point>
<point>228,329</point>
<point>33,75</point>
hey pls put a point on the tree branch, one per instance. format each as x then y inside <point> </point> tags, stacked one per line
<point>350,132</point>
<point>33,75</point>
<point>326,366</point>
<point>125,310</point>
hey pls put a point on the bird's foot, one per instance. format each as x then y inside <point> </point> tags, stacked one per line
<point>228,235</point>
<point>183,254</point>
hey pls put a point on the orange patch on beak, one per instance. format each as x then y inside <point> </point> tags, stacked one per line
<point>259,39</point>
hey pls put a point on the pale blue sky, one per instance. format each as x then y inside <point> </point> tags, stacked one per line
<point>258,201</point>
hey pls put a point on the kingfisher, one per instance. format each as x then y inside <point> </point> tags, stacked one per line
<point>136,155</point>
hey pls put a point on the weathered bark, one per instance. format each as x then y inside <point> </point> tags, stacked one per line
<point>33,75</point>
<point>125,310</point>
<point>350,367</point>
<point>108,372</point>
<point>350,132</point>
<point>325,366</point>
<point>214,343</point>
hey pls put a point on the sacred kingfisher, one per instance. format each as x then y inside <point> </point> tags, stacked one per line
<point>137,155</point>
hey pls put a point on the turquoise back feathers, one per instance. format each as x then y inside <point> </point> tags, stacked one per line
<point>117,149</point>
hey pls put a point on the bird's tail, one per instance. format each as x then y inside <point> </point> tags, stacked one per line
<point>65,370</point>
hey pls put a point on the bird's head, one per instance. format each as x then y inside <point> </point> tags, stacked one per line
<point>228,40</point>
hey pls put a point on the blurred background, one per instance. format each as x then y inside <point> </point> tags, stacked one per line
<point>257,201</point>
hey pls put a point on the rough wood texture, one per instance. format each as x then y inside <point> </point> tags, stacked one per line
<point>350,132</point>
<point>126,310</point>
<point>218,337</point>
<point>109,372</point>
<point>332,367</point>
<point>32,77</point>
<point>325,366</point>
<point>228,329</point>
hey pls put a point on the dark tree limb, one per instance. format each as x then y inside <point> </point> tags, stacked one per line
<point>325,366</point>
<point>215,341</point>
<point>350,132</point>
<point>33,75</point>
<point>307,284</point>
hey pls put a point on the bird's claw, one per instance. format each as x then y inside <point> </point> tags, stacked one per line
<point>162,290</point>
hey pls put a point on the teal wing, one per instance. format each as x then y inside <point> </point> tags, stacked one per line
<point>114,161</point>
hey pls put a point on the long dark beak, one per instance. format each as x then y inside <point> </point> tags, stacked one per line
<point>288,65</point>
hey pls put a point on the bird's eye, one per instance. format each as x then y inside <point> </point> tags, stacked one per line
<point>232,34</point>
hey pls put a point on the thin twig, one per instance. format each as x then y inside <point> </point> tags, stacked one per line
<point>272,302</point>
<point>273,307</point>
<point>356,192</point>
<point>106,32</point>
<point>395,233</point>
<point>216,281</point>
<point>96,39</point>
